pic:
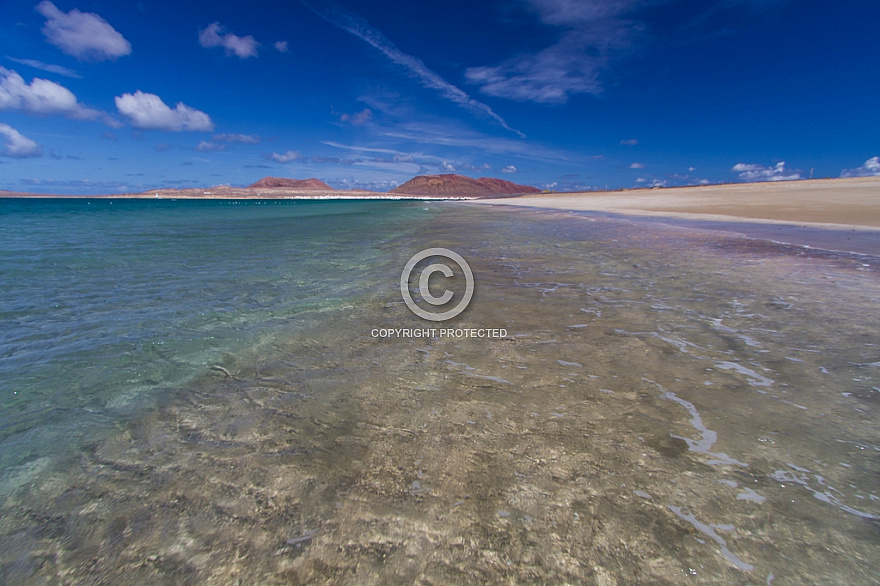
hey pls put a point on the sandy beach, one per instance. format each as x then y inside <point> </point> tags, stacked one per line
<point>852,203</point>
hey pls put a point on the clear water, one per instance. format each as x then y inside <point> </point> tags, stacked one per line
<point>191,394</point>
<point>107,306</point>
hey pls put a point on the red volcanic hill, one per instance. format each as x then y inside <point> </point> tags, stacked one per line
<point>270,182</point>
<point>461,186</point>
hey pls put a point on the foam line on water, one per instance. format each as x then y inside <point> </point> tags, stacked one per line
<point>708,437</point>
<point>710,532</point>
<point>756,380</point>
<point>825,496</point>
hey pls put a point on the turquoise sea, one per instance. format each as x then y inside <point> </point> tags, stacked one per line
<point>192,392</point>
<point>107,306</point>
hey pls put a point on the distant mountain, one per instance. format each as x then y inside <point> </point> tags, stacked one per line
<point>460,186</point>
<point>270,182</point>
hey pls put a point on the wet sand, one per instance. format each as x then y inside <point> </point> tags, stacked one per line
<point>851,204</point>
<point>821,236</point>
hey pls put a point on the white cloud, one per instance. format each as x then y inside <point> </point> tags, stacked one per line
<point>871,168</point>
<point>206,147</point>
<point>287,157</point>
<point>84,35</point>
<point>57,69</point>
<point>509,169</point>
<point>281,46</point>
<point>629,142</point>
<point>416,68</point>
<point>239,138</point>
<point>149,112</point>
<point>755,172</point>
<point>42,97</point>
<point>214,36</point>
<point>747,167</point>
<point>14,144</point>
<point>637,166</point>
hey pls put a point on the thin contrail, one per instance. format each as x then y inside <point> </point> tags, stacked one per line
<point>351,23</point>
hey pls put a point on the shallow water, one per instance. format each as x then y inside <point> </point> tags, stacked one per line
<point>667,405</point>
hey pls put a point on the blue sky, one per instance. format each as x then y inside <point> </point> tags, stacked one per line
<point>103,97</point>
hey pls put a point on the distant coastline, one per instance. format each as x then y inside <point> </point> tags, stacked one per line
<point>846,203</point>
<point>443,187</point>
<point>220,193</point>
<point>238,194</point>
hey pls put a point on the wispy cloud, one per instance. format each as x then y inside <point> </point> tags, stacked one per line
<point>392,158</point>
<point>84,35</point>
<point>149,112</point>
<point>281,46</point>
<point>446,134</point>
<point>358,118</point>
<point>239,138</point>
<point>415,67</point>
<point>48,67</point>
<point>629,142</point>
<point>364,149</point>
<point>42,97</point>
<point>398,162</point>
<point>871,168</point>
<point>215,35</point>
<point>591,35</point>
<point>400,133</point>
<point>755,172</point>
<point>14,144</point>
<point>637,166</point>
<point>595,30</point>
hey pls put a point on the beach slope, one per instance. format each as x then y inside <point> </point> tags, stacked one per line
<point>834,203</point>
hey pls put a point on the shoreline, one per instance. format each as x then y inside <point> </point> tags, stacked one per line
<point>784,213</point>
<point>837,215</point>
<point>837,204</point>
<point>825,237</point>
